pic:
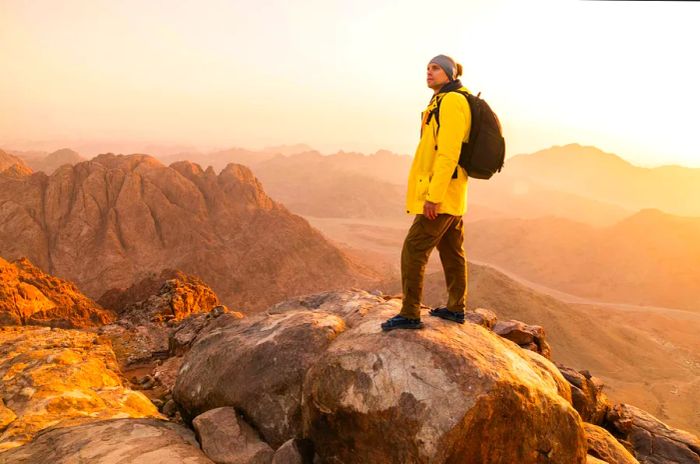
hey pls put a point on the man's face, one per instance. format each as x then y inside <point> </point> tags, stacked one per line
<point>436,77</point>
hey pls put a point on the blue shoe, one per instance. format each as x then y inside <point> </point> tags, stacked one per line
<point>400,322</point>
<point>445,313</point>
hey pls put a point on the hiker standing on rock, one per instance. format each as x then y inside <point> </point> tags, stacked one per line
<point>437,195</point>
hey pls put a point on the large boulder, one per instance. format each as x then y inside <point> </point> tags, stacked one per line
<point>117,441</point>
<point>256,365</point>
<point>447,394</point>
<point>652,441</point>
<point>319,367</point>
<point>227,439</point>
<point>55,377</point>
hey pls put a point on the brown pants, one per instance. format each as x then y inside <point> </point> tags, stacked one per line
<point>447,233</point>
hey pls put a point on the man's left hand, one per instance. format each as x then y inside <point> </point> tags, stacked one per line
<point>430,209</point>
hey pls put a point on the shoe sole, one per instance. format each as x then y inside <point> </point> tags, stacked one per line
<point>447,318</point>
<point>387,329</point>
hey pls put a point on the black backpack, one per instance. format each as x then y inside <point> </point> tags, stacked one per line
<point>485,152</point>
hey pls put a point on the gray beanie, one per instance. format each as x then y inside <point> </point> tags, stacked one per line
<point>447,64</point>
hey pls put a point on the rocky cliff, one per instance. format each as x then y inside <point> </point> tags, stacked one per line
<point>109,222</point>
<point>28,296</point>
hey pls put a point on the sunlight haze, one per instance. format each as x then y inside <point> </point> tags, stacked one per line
<point>347,75</point>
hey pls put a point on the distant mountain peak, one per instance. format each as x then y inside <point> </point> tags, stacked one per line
<point>112,161</point>
<point>581,151</point>
<point>288,149</point>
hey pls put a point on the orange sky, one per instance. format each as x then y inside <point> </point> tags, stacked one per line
<point>347,75</point>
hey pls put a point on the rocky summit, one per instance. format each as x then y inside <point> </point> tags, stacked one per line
<point>111,221</point>
<point>320,368</point>
<point>313,379</point>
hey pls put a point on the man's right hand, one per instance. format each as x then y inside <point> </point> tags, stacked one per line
<point>430,209</point>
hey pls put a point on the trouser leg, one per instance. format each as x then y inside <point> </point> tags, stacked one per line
<point>422,237</point>
<point>454,263</point>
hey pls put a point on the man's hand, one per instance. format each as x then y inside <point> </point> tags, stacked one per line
<point>430,209</point>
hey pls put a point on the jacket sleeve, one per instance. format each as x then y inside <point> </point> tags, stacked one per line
<point>453,129</point>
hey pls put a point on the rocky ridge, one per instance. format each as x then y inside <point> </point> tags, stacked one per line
<point>29,296</point>
<point>138,217</point>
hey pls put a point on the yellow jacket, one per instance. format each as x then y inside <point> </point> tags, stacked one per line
<point>437,156</point>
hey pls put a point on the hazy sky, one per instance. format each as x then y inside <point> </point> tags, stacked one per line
<point>347,75</point>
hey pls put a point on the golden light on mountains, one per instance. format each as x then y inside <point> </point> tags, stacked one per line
<point>202,219</point>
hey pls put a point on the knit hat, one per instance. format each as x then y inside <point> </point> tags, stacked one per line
<point>450,66</point>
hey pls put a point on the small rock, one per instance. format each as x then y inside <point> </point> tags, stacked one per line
<point>150,383</point>
<point>169,408</point>
<point>587,395</point>
<point>481,316</point>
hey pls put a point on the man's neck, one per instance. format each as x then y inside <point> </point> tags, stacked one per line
<point>438,89</point>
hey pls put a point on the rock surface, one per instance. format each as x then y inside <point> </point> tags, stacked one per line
<point>652,441</point>
<point>319,367</point>
<point>602,445</point>
<point>256,365</point>
<point>186,332</point>
<point>55,377</point>
<point>118,441</point>
<point>109,222</point>
<point>227,439</point>
<point>28,296</point>
<point>294,452</point>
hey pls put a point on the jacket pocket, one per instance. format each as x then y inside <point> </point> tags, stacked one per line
<point>422,182</point>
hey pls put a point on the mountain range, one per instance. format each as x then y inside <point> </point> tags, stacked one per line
<point>108,222</point>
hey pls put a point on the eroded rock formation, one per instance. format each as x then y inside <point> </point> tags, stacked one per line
<point>29,296</point>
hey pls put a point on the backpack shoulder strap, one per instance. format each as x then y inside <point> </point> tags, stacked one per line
<point>436,111</point>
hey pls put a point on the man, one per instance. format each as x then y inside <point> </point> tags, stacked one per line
<point>437,194</point>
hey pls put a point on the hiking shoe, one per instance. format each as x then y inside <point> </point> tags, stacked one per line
<point>445,313</point>
<point>400,322</point>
